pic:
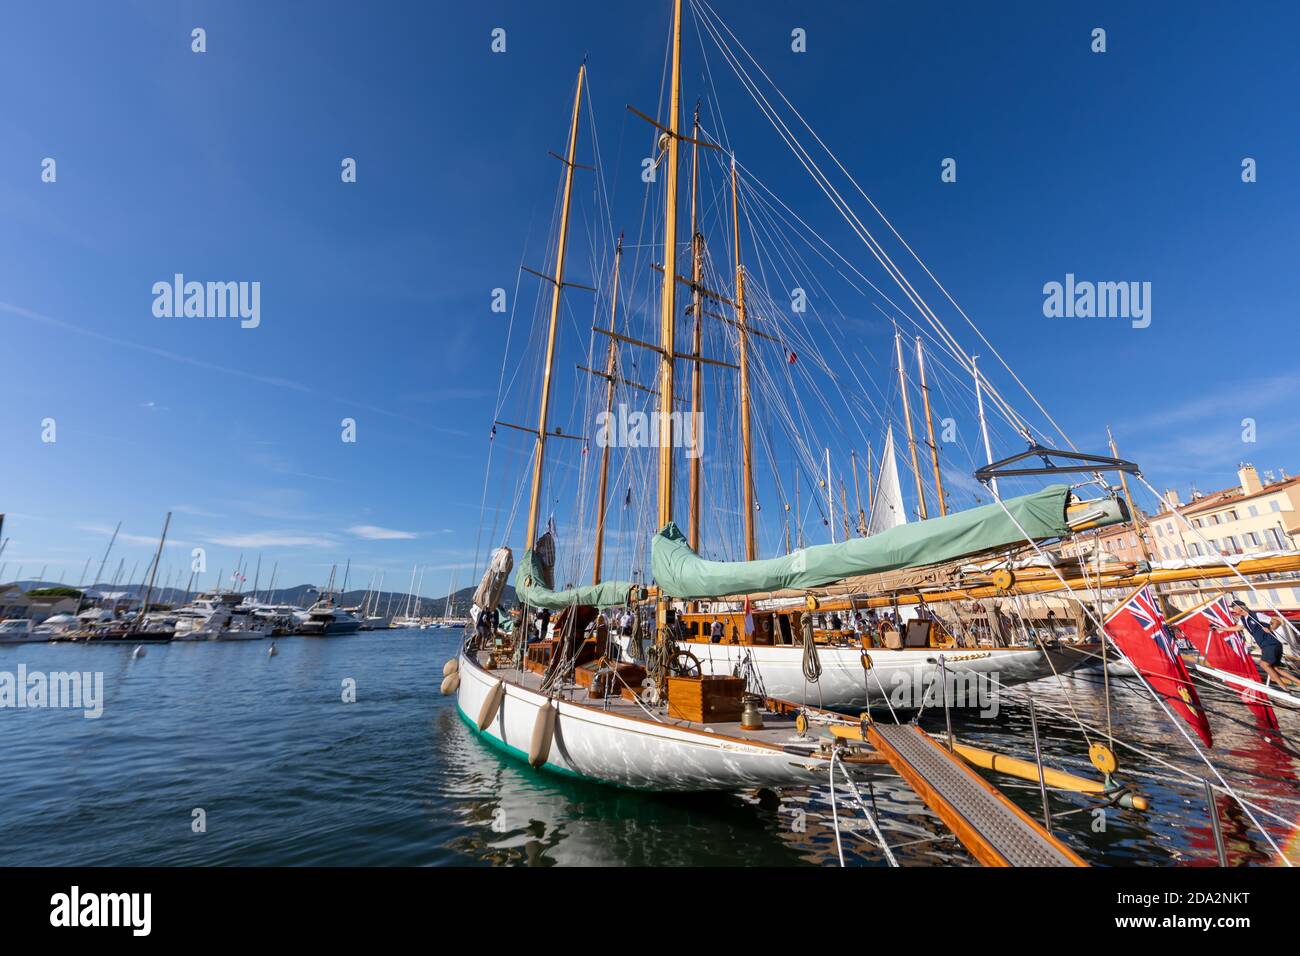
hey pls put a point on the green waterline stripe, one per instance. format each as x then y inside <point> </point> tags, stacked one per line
<point>498,744</point>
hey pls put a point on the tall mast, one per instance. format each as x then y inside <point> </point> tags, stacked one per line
<point>668,303</point>
<point>857,491</point>
<point>609,408</point>
<point>742,328</point>
<point>911,436</point>
<point>697,369</point>
<point>798,509</point>
<point>830,496</point>
<point>871,486</point>
<point>557,285</point>
<point>668,313</point>
<point>984,428</point>
<point>844,509</point>
<point>153,571</point>
<point>929,428</point>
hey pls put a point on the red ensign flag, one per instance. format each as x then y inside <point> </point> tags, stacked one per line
<point>1204,627</point>
<point>1138,630</point>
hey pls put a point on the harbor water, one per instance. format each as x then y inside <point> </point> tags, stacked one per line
<point>341,751</point>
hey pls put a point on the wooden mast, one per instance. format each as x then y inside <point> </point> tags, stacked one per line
<point>1166,607</point>
<point>697,312</point>
<point>742,329</point>
<point>871,486</point>
<point>668,297</point>
<point>668,314</point>
<point>844,509</point>
<point>609,409</point>
<point>798,508</point>
<point>929,428</point>
<point>557,283</point>
<point>857,492</point>
<point>911,436</point>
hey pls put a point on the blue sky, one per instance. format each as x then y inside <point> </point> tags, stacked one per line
<point>375,295</point>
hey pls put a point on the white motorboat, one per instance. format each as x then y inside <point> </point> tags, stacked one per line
<point>19,630</point>
<point>219,617</point>
<point>324,619</point>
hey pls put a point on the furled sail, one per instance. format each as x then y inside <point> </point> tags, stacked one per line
<point>887,510</point>
<point>681,573</point>
<point>534,583</point>
<point>488,593</point>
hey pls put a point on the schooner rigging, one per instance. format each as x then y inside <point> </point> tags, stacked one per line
<point>794,381</point>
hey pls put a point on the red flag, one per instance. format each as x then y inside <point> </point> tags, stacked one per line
<point>792,358</point>
<point>1205,628</point>
<point>749,619</point>
<point>1138,630</point>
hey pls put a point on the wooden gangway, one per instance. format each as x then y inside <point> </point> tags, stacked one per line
<point>991,827</point>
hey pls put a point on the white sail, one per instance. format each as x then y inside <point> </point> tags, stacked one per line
<point>887,510</point>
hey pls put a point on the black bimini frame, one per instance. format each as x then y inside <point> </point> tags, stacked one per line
<point>1077,463</point>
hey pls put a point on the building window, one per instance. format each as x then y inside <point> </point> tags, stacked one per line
<point>1160,531</point>
<point>1196,549</point>
<point>1231,544</point>
<point>1166,553</point>
<point>1254,512</point>
<point>1274,505</point>
<point>1230,516</point>
<point>1252,539</point>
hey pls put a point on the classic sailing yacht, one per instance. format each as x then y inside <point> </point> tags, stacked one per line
<point>669,718</point>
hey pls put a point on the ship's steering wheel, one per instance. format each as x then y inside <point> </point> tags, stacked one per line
<point>684,664</point>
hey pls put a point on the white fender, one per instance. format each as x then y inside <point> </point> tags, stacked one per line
<point>543,734</point>
<point>450,667</point>
<point>491,705</point>
<point>451,683</point>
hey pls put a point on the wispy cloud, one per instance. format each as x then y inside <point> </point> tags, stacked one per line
<point>275,539</point>
<point>375,533</point>
<point>122,536</point>
<point>197,512</point>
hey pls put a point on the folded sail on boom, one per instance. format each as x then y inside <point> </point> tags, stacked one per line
<point>681,573</point>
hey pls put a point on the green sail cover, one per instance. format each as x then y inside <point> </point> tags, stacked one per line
<point>531,588</point>
<point>681,573</point>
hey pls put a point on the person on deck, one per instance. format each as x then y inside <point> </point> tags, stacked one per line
<point>715,632</point>
<point>1270,648</point>
<point>625,623</point>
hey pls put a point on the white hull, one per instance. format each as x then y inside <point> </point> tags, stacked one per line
<point>23,638</point>
<point>240,635</point>
<point>897,677</point>
<point>634,752</point>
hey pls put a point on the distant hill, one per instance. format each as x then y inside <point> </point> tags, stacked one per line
<point>303,595</point>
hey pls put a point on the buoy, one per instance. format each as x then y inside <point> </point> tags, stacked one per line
<point>271,651</point>
<point>450,667</point>
<point>543,734</point>
<point>138,652</point>
<point>450,683</point>
<point>488,712</point>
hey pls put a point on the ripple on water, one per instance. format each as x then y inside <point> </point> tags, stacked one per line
<point>289,774</point>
